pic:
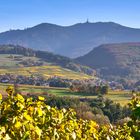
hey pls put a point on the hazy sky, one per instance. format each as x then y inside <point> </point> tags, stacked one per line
<point>19,14</point>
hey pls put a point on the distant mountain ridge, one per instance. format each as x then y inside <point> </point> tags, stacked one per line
<point>114,61</point>
<point>70,41</point>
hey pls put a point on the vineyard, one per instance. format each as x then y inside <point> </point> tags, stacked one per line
<point>45,71</point>
<point>9,64</point>
<point>23,118</point>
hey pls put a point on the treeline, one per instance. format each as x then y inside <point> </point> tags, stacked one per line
<point>46,56</point>
<point>11,49</point>
<point>89,88</point>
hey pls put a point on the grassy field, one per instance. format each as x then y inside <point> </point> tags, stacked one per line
<point>122,97</point>
<point>11,66</point>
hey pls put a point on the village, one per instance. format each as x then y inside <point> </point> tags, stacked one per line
<point>55,81</point>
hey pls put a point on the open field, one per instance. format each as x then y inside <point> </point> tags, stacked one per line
<point>122,97</point>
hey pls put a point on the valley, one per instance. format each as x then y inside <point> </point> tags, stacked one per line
<point>23,67</point>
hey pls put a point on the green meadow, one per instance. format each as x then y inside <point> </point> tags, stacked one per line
<point>122,97</point>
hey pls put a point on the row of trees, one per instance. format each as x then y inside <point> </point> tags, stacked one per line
<point>86,87</point>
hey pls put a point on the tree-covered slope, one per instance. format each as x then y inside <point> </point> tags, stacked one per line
<point>115,60</point>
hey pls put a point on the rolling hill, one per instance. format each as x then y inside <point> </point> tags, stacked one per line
<point>115,61</point>
<point>71,41</point>
<point>25,61</point>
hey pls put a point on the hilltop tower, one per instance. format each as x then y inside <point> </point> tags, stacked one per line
<point>87,21</point>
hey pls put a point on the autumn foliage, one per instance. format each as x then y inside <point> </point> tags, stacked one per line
<point>31,119</point>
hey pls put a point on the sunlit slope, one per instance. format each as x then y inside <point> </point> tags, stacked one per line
<point>45,71</point>
<point>18,56</point>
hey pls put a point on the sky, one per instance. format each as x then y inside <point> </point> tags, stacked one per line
<point>20,14</point>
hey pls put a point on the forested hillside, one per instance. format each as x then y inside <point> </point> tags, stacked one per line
<point>115,61</point>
